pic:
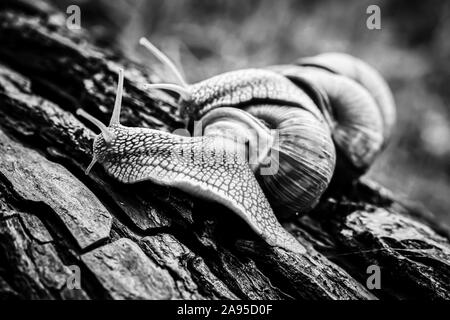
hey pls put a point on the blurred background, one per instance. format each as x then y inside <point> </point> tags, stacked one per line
<point>412,51</point>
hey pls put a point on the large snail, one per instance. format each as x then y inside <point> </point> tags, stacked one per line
<point>294,116</point>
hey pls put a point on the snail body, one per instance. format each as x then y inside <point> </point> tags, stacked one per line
<point>268,140</point>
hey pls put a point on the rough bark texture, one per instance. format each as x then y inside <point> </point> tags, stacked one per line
<point>151,242</point>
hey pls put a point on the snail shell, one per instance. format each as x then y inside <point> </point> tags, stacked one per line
<point>301,150</point>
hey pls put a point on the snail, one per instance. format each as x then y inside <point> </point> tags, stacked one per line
<point>268,138</point>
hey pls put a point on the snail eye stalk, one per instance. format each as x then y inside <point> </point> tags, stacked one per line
<point>88,169</point>
<point>164,59</point>
<point>183,92</point>
<point>107,135</point>
<point>115,119</point>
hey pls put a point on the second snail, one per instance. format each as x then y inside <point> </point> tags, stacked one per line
<point>271,139</point>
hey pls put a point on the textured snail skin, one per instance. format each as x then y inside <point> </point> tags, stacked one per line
<point>207,167</point>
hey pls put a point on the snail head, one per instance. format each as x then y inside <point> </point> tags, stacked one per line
<point>109,143</point>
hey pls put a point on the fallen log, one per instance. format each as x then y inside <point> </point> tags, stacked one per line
<point>150,242</point>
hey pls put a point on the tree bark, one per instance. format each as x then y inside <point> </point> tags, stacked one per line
<point>145,241</point>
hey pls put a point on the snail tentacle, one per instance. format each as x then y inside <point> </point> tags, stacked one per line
<point>107,132</point>
<point>115,117</point>
<point>164,59</point>
<point>182,91</point>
